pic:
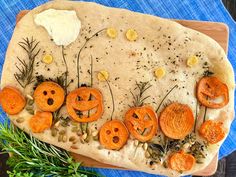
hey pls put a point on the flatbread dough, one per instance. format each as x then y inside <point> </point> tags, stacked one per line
<point>161,43</point>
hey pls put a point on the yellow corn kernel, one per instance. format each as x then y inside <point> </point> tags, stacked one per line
<point>103,75</point>
<point>192,61</point>
<point>111,32</point>
<point>47,59</point>
<point>131,35</point>
<point>160,72</point>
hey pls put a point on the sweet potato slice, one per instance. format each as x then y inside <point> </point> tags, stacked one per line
<point>137,124</point>
<point>40,121</point>
<point>113,135</point>
<point>212,131</point>
<point>79,101</point>
<point>176,120</point>
<point>210,88</point>
<point>181,161</point>
<point>11,100</point>
<point>49,96</point>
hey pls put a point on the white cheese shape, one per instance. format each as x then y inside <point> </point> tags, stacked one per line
<point>62,25</point>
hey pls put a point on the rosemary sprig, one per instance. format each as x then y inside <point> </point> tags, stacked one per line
<point>112,96</point>
<point>78,56</point>
<point>138,99</point>
<point>24,76</point>
<point>35,158</point>
<point>159,106</point>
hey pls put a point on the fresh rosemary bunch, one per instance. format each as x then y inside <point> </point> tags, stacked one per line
<point>33,158</point>
<point>24,76</point>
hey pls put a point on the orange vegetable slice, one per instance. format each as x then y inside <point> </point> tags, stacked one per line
<point>176,120</point>
<point>113,135</point>
<point>209,88</point>
<point>84,99</point>
<point>49,96</point>
<point>141,122</point>
<point>181,161</point>
<point>212,131</point>
<point>12,100</point>
<point>40,122</point>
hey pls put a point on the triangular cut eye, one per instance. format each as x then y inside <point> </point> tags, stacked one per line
<point>79,98</point>
<point>90,97</point>
<point>135,115</point>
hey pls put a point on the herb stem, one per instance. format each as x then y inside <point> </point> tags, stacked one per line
<point>205,112</point>
<point>24,76</point>
<point>112,97</point>
<point>78,56</point>
<point>66,73</point>
<point>175,86</point>
<point>196,116</point>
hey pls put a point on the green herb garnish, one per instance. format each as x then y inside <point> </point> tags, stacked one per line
<point>33,158</point>
<point>24,76</point>
<point>138,99</point>
<point>112,97</point>
<point>65,85</point>
<point>175,86</point>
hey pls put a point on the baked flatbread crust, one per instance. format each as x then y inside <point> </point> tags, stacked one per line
<point>126,62</point>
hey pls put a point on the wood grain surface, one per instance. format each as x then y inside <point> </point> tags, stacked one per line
<point>220,33</point>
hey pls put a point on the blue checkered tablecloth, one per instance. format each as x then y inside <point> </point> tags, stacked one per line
<point>207,10</point>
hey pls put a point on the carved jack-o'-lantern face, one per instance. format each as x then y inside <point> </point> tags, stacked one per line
<point>141,122</point>
<point>113,135</point>
<point>211,88</point>
<point>82,101</point>
<point>49,96</point>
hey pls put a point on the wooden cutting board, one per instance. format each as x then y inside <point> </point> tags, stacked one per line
<point>220,33</point>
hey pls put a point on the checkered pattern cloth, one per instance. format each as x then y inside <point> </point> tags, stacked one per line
<point>206,10</point>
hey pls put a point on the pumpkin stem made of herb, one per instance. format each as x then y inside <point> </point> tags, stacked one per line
<point>181,161</point>
<point>11,100</point>
<point>141,122</point>
<point>85,99</point>
<point>40,122</point>
<point>113,135</point>
<point>210,88</point>
<point>49,96</point>
<point>176,120</point>
<point>212,131</point>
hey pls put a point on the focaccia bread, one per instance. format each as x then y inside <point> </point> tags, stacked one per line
<point>124,88</point>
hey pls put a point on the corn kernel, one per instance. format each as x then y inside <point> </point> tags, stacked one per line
<point>47,59</point>
<point>160,72</point>
<point>111,32</point>
<point>103,75</point>
<point>131,35</point>
<point>192,61</point>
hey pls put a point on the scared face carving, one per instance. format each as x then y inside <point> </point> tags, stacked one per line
<point>49,96</point>
<point>82,101</point>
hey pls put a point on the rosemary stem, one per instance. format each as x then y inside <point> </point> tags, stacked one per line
<point>205,112</point>
<point>66,74</point>
<point>196,114</point>
<point>112,97</point>
<point>78,56</point>
<point>165,97</point>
